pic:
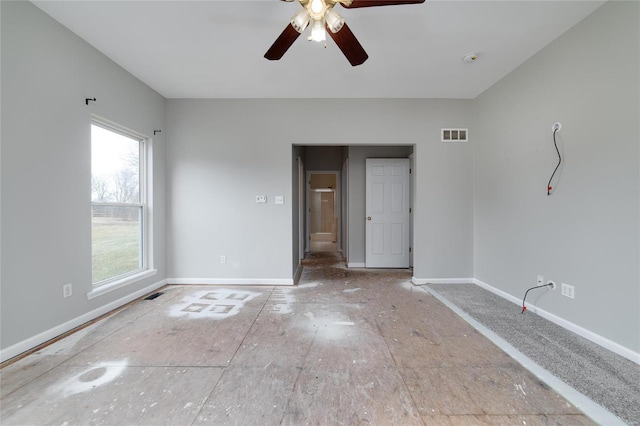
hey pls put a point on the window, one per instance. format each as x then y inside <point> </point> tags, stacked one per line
<point>118,204</point>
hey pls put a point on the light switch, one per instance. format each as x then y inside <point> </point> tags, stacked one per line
<point>279,199</point>
<point>261,199</point>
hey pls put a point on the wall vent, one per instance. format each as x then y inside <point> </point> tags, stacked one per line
<point>454,135</point>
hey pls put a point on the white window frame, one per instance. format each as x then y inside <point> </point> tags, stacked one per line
<point>145,203</point>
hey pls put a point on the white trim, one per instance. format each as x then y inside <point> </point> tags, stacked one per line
<point>423,281</point>
<point>56,331</point>
<point>230,281</point>
<point>114,285</point>
<point>118,128</point>
<point>593,410</point>
<point>503,294</point>
<point>356,265</point>
<point>580,331</point>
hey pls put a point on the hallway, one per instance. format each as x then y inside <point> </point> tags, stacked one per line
<point>345,346</point>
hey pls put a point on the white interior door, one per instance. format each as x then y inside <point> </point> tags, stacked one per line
<point>387,213</point>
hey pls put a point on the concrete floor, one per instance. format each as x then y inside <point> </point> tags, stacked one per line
<point>343,347</point>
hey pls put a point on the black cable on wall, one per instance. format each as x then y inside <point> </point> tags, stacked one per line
<point>556,129</point>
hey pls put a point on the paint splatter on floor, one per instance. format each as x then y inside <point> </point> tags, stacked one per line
<point>217,304</point>
<point>95,376</point>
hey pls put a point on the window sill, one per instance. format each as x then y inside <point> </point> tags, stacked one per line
<point>112,286</point>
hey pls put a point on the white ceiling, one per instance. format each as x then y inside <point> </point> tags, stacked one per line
<point>215,48</point>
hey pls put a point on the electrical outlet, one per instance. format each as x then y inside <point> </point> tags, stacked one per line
<point>223,259</point>
<point>540,279</point>
<point>261,199</point>
<point>67,290</point>
<point>568,291</point>
<point>551,285</point>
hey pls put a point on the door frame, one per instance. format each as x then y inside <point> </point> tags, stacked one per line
<point>338,209</point>
<point>412,196</point>
<point>301,208</point>
<point>344,235</point>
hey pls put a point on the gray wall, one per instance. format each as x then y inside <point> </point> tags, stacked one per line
<point>47,72</point>
<point>587,233</point>
<point>222,153</point>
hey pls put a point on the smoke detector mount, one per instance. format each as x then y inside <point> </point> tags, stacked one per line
<point>470,58</point>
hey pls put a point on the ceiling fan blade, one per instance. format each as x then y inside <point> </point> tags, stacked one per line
<point>282,43</point>
<point>349,44</point>
<point>370,3</point>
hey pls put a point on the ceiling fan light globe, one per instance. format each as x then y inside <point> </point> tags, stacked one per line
<point>317,31</point>
<point>335,22</point>
<point>300,20</point>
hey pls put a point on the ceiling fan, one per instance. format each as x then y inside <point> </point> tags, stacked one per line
<point>321,15</point>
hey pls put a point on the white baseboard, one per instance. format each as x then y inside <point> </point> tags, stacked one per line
<point>230,281</point>
<point>423,281</point>
<point>580,331</point>
<point>356,265</point>
<point>56,331</point>
<point>502,294</point>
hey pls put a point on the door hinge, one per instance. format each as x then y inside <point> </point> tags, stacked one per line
<point>409,249</point>
<point>409,171</point>
<point>409,209</point>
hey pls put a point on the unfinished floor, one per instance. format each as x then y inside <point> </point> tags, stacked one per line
<point>343,347</point>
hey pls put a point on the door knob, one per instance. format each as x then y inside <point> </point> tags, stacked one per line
<point>368,217</point>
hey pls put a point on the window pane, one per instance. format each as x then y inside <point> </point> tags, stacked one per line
<point>116,241</point>
<point>115,167</point>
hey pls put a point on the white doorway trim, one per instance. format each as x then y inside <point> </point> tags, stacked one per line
<point>412,197</point>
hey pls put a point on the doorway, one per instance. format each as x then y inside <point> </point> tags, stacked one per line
<point>323,220</point>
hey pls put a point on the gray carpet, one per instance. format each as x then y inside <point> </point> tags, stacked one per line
<point>607,378</point>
